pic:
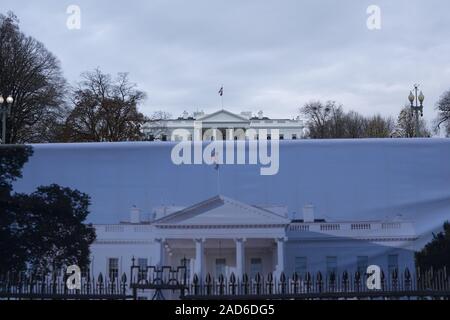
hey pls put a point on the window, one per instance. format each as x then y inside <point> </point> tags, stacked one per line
<point>331,265</point>
<point>281,136</point>
<point>392,263</point>
<point>362,263</point>
<point>151,137</point>
<point>113,268</point>
<point>301,266</point>
<point>269,137</point>
<point>255,267</point>
<point>164,137</point>
<point>142,263</point>
<point>294,137</point>
<point>220,267</point>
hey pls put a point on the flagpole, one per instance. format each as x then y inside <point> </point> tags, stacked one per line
<point>221,96</point>
<point>218,181</point>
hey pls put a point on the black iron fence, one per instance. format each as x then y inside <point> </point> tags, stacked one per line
<point>429,284</point>
<point>27,285</point>
<point>153,282</point>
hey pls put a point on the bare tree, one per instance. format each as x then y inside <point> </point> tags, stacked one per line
<point>318,116</point>
<point>330,121</point>
<point>336,123</point>
<point>105,109</point>
<point>33,77</point>
<point>406,125</point>
<point>354,124</point>
<point>379,127</point>
<point>443,107</point>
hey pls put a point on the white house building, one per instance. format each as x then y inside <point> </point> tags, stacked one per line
<point>223,125</point>
<point>221,235</point>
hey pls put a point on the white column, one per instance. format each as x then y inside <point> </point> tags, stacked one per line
<point>199,258</point>
<point>160,258</point>
<point>240,258</point>
<point>280,255</point>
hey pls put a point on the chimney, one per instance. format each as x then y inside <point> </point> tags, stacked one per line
<point>308,213</point>
<point>135,215</point>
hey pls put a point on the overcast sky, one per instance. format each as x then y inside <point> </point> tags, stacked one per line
<point>269,55</point>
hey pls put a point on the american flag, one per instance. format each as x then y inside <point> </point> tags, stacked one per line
<point>221,91</point>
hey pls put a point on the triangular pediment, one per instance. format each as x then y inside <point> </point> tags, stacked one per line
<point>222,211</point>
<point>223,116</point>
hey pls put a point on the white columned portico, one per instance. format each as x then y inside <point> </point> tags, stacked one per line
<point>199,258</point>
<point>160,257</point>
<point>240,257</point>
<point>280,255</point>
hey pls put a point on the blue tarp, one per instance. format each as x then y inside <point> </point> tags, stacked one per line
<point>344,179</point>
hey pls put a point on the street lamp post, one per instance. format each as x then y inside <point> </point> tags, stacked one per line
<point>5,110</point>
<point>416,109</point>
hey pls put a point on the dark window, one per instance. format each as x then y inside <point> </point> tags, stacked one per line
<point>255,267</point>
<point>113,268</point>
<point>331,266</point>
<point>142,263</point>
<point>301,266</point>
<point>220,267</point>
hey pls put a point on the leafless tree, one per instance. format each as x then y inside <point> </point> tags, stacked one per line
<point>443,107</point>
<point>105,109</point>
<point>379,127</point>
<point>406,125</point>
<point>329,121</point>
<point>32,76</point>
<point>354,125</point>
<point>318,116</point>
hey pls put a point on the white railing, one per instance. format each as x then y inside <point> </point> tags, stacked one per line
<point>391,225</point>
<point>113,228</point>
<point>384,229</point>
<point>120,228</point>
<point>330,227</point>
<point>361,226</point>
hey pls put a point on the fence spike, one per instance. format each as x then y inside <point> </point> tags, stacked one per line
<point>258,278</point>
<point>208,278</point>
<point>233,278</point>
<point>407,274</point>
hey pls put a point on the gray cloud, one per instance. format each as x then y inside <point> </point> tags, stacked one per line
<point>270,55</point>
